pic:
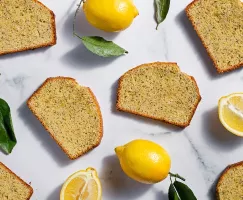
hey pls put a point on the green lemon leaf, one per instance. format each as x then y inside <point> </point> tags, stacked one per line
<point>180,191</point>
<point>172,193</point>
<point>162,9</point>
<point>101,47</point>
<point>7,137</point>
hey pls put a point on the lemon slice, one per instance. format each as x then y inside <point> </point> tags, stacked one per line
<point>82,185</point>
<point>231,113</point>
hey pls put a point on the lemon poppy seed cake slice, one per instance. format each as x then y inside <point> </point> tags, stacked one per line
<point>24,25</point>
<point>159,91</point>
<point>12,187</point>
<point>230,184</point>
<point>219,24</point>
<point>70,113</point>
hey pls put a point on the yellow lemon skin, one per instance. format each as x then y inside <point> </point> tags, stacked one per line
<point>144,161</point>
<point>110,15</point>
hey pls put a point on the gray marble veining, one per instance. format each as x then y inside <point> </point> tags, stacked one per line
<point>199,153</point>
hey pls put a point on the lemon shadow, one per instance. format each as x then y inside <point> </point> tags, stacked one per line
<point>116,184</point>
<point>55,195</point>
<point>216,135</point>
<point>80,55</point>
<point>160,195</point>
<point>82,58</point>
<point>83,28</point>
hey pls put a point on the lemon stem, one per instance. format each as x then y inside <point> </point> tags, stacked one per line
<point>176,176</point>
<point>75,16</point>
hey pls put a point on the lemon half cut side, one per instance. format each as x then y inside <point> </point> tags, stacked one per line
<point>230,110</point>
<point>82,185</point>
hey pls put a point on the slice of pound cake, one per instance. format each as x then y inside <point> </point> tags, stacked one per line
<point>24,25</point>
<point>230,184</point>
<point>219,24</point>
<point>12,187</point>
<point>159,91</point>
<point>70,113</point>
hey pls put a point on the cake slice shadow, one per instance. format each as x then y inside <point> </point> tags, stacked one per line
<point>42,135</point>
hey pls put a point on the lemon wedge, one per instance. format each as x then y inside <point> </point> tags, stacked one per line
<point>82,185</point>
<point>230,110</point>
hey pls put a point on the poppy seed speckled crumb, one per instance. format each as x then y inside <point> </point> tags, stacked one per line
<point>159,91</point>
<point>12,187</point>
<point>70,113</point>
<point>219,24</point>
<point>25,25</point>
<point>230,184</point>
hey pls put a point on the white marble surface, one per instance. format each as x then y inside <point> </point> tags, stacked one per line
<point>199,152</point>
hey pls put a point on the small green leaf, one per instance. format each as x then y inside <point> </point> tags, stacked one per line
<point>101,47</point>
<point>7,137</point>
<point>162,9</point>
<point>172,193</point>
<point>98,45</point>
<point>182,191</point>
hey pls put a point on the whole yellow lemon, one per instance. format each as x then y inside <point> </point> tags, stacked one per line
<point>110,15</point>
<point>144,161</point>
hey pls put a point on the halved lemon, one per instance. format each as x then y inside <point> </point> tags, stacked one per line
<point>231,113</point>
<point>82,185</point>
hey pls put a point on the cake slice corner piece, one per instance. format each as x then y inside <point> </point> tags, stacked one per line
<point>25,25</point>
<point>13,187</point>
